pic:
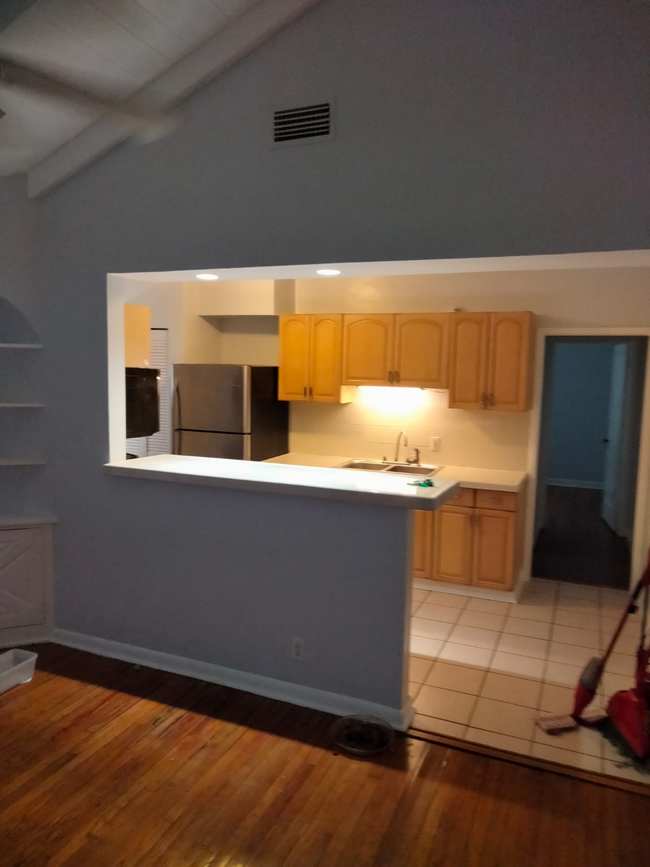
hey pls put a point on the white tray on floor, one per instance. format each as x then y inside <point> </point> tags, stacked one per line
<point>16,666</point>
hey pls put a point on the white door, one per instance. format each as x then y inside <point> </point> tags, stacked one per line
<point>22,578</point>
<point>614,433</point>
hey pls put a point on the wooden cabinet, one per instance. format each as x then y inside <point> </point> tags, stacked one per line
<point>368,346</point>
<point>407,349</point>
<point>490,361</point>
<point>474,539</point>
<point>422,544</point>
<point>137,335</point>
<point>494,549</point>
<point>293,376</point>
<point>421,350</point>
<point>310,358</point>
<point>452,544</point>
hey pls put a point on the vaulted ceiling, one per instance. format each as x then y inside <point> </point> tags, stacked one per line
<point>122,46</point>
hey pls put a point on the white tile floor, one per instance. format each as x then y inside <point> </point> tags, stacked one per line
<point>484,670</point>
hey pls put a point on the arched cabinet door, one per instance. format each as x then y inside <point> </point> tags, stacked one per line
<point>468,361</point>
<point>326,342</point>
<point>509,362</point>
<point>368,345</point>
<point>422,349</point>
<point>293,380</point>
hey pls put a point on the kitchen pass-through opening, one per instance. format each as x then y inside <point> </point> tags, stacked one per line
<point>590,428</point>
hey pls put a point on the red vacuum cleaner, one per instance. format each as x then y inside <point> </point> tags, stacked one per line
<point>628,711</point>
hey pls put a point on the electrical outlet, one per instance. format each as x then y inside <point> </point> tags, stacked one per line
<point>435,444</point>
<point>298,649</point>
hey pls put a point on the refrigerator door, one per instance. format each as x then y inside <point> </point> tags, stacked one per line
<point>212,445</point>
<point>212,397</point>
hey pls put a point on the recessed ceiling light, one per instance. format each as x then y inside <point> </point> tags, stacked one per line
<point>207,276</point>
<point>328,272</point>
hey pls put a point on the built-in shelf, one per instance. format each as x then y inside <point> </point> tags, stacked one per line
<point>8,521</point>
<point>22,405</point>
<point>20,462</point>
<point>21,345</point>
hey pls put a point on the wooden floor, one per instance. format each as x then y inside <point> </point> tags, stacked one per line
<point>575,543</point>
<point>106,765</point>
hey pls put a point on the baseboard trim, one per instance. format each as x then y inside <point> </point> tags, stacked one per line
<point>19,635</point>
<point>293,693</point>
<point>575,483</point>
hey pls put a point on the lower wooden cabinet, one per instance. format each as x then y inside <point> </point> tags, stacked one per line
<point>477,542</point>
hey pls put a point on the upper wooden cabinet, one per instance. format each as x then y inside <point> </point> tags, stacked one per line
<point>137,335</point>
<point>421,349</point>
<point>490,361</point>
<point>407,349</point>
<point>368,346</point>
<point>310,358</point>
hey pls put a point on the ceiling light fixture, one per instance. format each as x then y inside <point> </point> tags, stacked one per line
<point>328,272</point>
<point>207,276</point>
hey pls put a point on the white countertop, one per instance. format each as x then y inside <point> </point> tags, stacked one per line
<point>301,480</point>
<point>469,477</point>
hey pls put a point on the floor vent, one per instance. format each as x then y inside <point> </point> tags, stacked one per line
<point>306,122</point>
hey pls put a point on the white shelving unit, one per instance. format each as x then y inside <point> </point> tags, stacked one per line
<point>21,345</point>
<point>22,405</point>
<point>9,347</point>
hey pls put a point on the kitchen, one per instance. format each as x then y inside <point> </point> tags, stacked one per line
<point>457,384</point>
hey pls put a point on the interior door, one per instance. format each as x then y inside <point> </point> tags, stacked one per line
<point>508,373</point>
<point>293,374</point>
<point>609,510</point>
<point>422,349</point>
<point>325,358</point>
<point>368,348</point>
<point>468,360</point>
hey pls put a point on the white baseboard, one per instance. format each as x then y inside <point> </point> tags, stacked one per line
<point>466,590</point>
<point>293,693</point>
<point>575,483</point>
<point>25,635</point>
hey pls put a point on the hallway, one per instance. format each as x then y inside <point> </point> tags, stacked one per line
<point>576,545</point>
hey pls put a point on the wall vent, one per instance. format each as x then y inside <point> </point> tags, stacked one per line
<point>305,122</point>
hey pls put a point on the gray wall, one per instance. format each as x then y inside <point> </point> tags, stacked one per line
<point>582,380</point>
<point>463,129</point>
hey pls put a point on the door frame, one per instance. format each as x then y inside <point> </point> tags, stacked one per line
<point>641,531</point>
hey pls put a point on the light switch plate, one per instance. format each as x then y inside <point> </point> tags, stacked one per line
<point>435,444</point>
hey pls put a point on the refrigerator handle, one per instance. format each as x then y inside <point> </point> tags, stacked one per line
<point>176,408</point>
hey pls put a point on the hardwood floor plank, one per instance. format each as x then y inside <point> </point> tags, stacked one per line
<point>129,767</point>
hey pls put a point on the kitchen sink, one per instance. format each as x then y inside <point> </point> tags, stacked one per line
<point>378,466</point>
<point>413,470</point>
<point>391,467</point>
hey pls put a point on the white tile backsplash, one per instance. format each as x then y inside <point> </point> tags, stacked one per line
<point>478,439</point>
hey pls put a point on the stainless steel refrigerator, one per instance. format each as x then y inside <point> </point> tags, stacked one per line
<point>229,411</point>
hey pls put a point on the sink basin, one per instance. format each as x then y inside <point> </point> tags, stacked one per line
<point>413,470</point>
<point>378,466</point>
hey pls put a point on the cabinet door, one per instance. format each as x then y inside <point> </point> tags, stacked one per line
<point>22,578</point>
<point>494,549</point>
<point>509,361</point>
<point>468,361</point>
<point>452,544</point>
<point>137,335</point>
<point>293,376</point>
<point>422,349</point>
<point>326,345</point>
<point>422,525</point>
<point>368,348</point>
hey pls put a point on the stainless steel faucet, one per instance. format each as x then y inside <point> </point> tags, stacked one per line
<point>401,434</point>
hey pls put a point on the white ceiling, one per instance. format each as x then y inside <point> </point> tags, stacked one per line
<point>120,44</point>
<point>554,262</point>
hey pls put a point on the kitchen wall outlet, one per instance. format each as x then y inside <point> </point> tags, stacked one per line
<point>435,444</point>
<point>298,649</point>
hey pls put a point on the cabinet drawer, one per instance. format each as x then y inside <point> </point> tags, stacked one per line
<point>465,497</point>
<point>506,501</point>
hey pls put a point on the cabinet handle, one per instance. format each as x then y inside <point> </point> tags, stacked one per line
<point>398,378</point>
<point>390,376</point>
<point>311,391</point>
<point>304,391</point>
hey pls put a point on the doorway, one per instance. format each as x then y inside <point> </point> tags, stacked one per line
<point>590,427</point>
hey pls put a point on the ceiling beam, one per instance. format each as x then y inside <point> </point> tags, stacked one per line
<point>204,63</point>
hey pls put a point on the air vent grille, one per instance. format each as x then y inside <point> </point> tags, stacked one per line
<point>309,121</point>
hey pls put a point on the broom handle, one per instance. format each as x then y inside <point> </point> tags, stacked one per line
<point>644,581</point>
